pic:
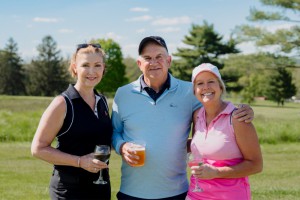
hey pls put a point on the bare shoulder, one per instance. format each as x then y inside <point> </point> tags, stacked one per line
<point>241,127</point>
<point>58,105</point>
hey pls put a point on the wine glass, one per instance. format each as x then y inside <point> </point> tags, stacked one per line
<point>193,160</point>
<point>102,153</point>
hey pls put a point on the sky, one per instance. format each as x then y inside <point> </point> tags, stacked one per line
<point>127,22</point>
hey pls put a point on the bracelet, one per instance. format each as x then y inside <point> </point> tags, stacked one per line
<point>78,161</point>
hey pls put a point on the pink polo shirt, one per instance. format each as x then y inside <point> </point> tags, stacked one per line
<point>217,145</point>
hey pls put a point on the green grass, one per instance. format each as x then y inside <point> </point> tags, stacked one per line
<point>19,117</point>
<point>276,124</point>
<point>24,177</point>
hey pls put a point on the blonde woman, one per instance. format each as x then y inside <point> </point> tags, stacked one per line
<point>229,149</point>
<point>80,120</point>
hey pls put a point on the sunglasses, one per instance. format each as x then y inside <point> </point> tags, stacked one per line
<point>80,46</point>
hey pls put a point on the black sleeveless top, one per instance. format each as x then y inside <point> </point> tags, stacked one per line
<point>82,130</point>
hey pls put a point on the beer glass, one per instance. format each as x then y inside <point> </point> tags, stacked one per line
<point>140,149</point>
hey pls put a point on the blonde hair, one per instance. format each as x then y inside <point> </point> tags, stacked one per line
<point>89,49</point>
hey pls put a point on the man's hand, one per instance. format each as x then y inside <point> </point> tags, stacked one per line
<point>244,113</point>
<point>128,155</point>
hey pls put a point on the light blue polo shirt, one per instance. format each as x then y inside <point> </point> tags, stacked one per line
<point>164,126</point>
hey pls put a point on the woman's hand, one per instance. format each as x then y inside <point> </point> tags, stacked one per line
<point>91,164</point>
<point>204,171</point>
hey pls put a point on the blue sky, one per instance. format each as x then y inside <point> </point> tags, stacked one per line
<point>71,22</point>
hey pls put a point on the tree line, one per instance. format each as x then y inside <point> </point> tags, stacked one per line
<point>261,74</point>
<point>47,74</point>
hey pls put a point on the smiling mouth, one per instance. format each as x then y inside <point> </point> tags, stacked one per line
<point>207,94</point>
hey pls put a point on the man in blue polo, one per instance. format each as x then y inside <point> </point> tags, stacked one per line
<point>156,109</point>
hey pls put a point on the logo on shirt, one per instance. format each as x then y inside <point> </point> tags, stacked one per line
<point>173,105</point>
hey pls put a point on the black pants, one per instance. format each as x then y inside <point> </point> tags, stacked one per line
<point>122,196</point>
<point>65,186</point>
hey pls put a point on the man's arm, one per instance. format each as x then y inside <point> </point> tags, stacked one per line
<point>117,138</point>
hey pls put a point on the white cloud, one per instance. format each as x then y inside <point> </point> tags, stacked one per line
<point>249,48</point>
<point>172,21</point>
<point>64,30</point>
<point>113,36</point>
<point>47,20</point>
<point>142,30</point>
<point>141,18</point>
<point>139,9</point>
<point>273,28</point>
<point>130,50</point>
<point>168,29</point>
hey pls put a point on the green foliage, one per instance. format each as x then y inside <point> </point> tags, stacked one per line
<point>287,40</point>
<point>11,69</point>
<point>250,91</point>
<point>132,70</point>
<point>47,74</point>
<point>281,86</point>
<point>114,76</point>
<point>206,46</point>
<point>253,75</point>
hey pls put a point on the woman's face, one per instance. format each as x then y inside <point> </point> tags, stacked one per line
<point>207,88</point>
<point>89,68</point>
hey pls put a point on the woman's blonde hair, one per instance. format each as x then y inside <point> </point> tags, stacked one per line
<point>90,48</point>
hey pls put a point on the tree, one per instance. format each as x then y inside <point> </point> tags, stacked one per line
<point>11,70</point>
<point>287,40</point>
<point>205,46</point>
<point>253,72</point>
<point>132,70</point>
<point>47,74</point>
<point>281,86</point>
<point>250,91</point>
<point>114,76</point>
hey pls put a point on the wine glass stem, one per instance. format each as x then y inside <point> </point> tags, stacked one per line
<point>197,186</point>
<point>100,176</point>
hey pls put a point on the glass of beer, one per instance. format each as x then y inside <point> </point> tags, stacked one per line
<point>140,150</point>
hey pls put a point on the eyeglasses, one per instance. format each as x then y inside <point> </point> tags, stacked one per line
<point>80,46</point>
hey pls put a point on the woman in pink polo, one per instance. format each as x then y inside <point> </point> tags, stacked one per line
<point>230,149</point>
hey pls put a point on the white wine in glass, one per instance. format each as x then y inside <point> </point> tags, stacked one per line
<point>195,161</point>
<point>102,153</point>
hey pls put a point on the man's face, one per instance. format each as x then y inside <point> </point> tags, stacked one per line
<point>154,62</point>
